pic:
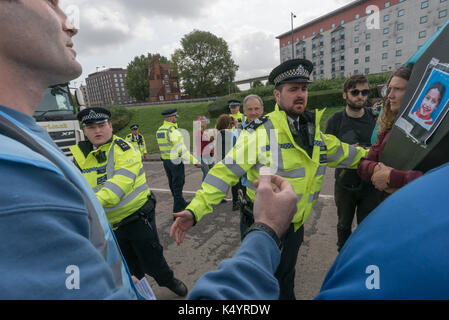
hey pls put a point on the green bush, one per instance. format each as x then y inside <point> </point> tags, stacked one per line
<point>120,117</point>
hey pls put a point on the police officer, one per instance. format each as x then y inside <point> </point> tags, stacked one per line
<point>234,107</point>
<point>114,170</point>
<point>137,140</point>
<point>173,151</point>
<point>289,141</point>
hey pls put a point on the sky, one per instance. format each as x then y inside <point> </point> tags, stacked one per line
<point>113,32</point>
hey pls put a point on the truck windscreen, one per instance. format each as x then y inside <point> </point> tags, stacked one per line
<point>57,102</point>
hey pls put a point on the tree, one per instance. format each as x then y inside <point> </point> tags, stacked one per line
<point>204,65</point>
<point>137,82</point>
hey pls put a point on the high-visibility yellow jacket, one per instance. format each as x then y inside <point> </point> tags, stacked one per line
<point>139,143</point>
<point>117,178</point>
<point>171,144</point>
<point>269,142</point>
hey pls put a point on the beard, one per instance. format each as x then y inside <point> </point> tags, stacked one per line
<point>354,106</point>
<point>291,111</point>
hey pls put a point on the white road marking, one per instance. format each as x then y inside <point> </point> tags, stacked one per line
<point>325,197</point>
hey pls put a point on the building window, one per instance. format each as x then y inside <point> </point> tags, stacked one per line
<point>401,12</point>
<point>303,37</point>
<point>356,50</point>
<point>400,27</point>
<point>386,30</point>
<point>401,1</point>
<point>333,25</point>
<point>342,22</point>
<point>356,61</point>
<point>368,36</point>
<point>366,59</point>
<point>399,39</point>
<point>384,68</point>
<point>385,43</point>
<point>356,39</point>
<point>442,13</point>
<point>387,4</point>
<point>366,70</point>
<point>357,27</point>
<point>398,53</point>
<point>357,16</point>
<point>367,47</point>
<point>384,56</point>
<point>422,34</point>
<point>423,19</point>
<point>356,71</point>
<point>424,4</point>
<point>386,17</point>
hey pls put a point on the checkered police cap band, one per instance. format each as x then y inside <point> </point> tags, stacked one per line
<point>299,72</point>
<point>95,116</point>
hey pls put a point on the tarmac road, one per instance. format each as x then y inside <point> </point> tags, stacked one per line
<point>217,237</point>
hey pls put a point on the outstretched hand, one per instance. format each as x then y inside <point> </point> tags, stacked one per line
<point>184,221</point>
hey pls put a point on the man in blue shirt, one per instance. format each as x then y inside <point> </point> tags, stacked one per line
<point>55,241</point>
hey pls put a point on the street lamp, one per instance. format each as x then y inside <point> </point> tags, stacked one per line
<point>292,15</point>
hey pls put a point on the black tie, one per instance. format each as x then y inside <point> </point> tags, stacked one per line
<point>301,136</point>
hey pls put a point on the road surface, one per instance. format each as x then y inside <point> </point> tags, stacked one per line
<point>217,237</point>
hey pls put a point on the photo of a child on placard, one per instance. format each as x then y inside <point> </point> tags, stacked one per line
<point>428,106</point>
<point>426,112</point>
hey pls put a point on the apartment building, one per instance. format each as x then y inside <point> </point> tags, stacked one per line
<point>365,36</point>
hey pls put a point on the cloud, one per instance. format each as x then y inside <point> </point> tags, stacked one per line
<point>256,53</point>
<point>173,9</point>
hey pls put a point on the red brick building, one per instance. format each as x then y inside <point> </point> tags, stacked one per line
<point>163,82</point>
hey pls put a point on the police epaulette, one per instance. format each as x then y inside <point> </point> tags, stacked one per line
<point>122,144</point>
<point>256,123</point>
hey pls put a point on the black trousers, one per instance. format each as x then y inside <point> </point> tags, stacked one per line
<point>285,273</point>
<point>349,203</point>
<point>235,190</point>
<point>142,250</point>
<point>176,180</point>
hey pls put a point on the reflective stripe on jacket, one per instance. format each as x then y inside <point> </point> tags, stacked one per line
<point>119,181</point>
<point>138,143</point>
<point>272,145</point>
<point>171,144</point>
<point>101,235</point>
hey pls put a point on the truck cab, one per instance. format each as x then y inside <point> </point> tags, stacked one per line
<point>57,115</point>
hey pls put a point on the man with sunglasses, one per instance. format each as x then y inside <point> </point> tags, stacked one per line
<point>353,125</point>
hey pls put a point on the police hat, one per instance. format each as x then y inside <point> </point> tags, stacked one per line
<point>233,103</point>
<point>296,70</point>
<point>170,112</point>
<point>93,115</point>
<point>134,127</point>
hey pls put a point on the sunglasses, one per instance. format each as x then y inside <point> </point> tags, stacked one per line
<point>356,92</point>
